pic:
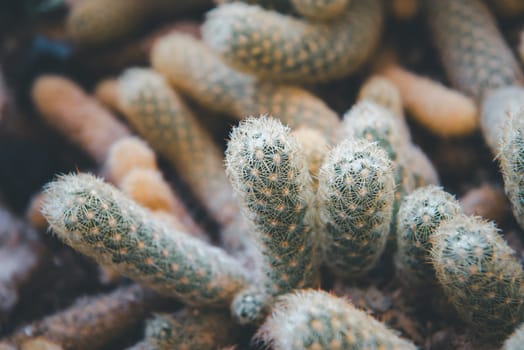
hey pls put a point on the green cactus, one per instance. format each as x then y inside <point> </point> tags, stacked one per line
<point>423,170</point>
<point>191,67</point>
<point>317,320</point>
<point>164,120</point>
<point>496,107</point>
<point>420,214</point>
<point>99,221</point>
<point>472,49</point>
<point>278,47</point>
<point>511,157</point>
<point>384,93</point>
<point>367,120</point>
<point>515,341</point>
<point>271,179</point>
<point>479,274</point>
<point>356,195</point>
<point>190,329</point>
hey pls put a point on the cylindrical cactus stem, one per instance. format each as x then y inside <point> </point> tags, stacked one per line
<point>439,109</point>
<point>496,108</point>
<point>511,158</point>
<point>367,120</point>
<point>91,322</point>
<point>356,195</point>
<point>472,49</point>
<point>310,319</point>
<point>420,214</point>
<point>515,341</point>
<point>101,222</point>
<point>191,329</point>
<point>321,10</point>
<point>271,179</point>
<point>278,47</point>
<point>164,120</point>
<point>191,67</point>
<point>314,147</point>
<point>98,22</point>
<point>423,170</point>
<point>383,92</point>
<point>79,117</point>
<point>479,274</point>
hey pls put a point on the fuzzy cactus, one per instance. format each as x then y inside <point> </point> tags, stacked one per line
<point>321,9</point>
<point>367,120</point>
<point>479,274</point>
<point>271,180</point>
<point>423,170</point>
<point>356,195</point>
<point>190,329</point>
<point>511,157</point>
<point>317,320</point>
<point>99,221</point>
<point>472,49</point>
<point>420,214</point>
<point>383,92</point>
<point>191,67</point>
<point>278,47</point>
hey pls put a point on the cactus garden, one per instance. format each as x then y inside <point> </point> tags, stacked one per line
<point>262,174</point>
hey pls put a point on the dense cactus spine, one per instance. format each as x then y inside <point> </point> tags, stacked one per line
<point>472,49</point>
<point>383,92</point>
<point>191,67</point>
<point>271,179</point>
<point>316,320</point>
<point>356,194</point>
<point>281,48</point>
<point>97,220</point>
<point>420,214</point>
<point>511,157</point>
<point>479,274</point>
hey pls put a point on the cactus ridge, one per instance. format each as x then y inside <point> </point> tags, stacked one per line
<point>472,49</point>
<point>278,47</point>
<point>99,221</point>
<point>480,274</point>
<point>420,214</point>
<point>356,191</point>
<point>317,320</point>
<point>271,179</point>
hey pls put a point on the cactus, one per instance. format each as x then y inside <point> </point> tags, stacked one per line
<point>97,220</point>
<point>420,214</point>
<point>423,170</point>
<point>195,70</point>
<point>369,121</point>
<point>479,274</point>
<point>511,159</point>
<point>383,92</point>
<point>515,341</point>
<point>317,320</point>
<point>356,194</point>
<point>98,22</point>
<point>314,147</point>
<point>190,329</point>
<point>271,179</point>
<point>277,47</point>
<point>472,49</point>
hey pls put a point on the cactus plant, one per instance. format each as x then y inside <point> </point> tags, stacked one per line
<point>479,274</point>
<point>281,48</point>
<point>99,221</point>
<point>356,195</point>
<point>193,69</point>
<point>310,319</point>
<point>420,214</point>
<point>271,180</point>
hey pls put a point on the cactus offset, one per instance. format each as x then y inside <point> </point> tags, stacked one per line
<point>420,214</point>
<point>317,320</point>
<point>479,274</point>
<point>277,47</point>
<point>356,194</point>
<point>99,221</point>
<point>271,179</point>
